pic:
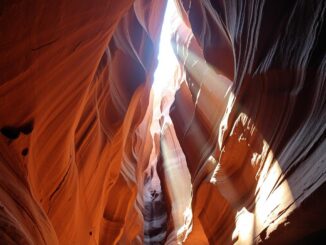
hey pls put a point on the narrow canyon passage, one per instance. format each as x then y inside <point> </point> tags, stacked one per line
<point>168,152</point>
<point>162,122</point>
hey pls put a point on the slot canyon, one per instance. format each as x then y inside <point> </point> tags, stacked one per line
<point>162,122</point>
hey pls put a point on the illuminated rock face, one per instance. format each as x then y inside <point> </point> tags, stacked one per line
<point>268,150</point>
<point>80,165</point>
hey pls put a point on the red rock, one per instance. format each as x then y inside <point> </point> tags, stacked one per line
<point>88,155</point>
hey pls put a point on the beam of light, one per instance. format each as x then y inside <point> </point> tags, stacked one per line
<point>167,79</point>
<point>216,84</point>
<point>272,204</point>
<point>214,90</point>
<point>268,201</point>
<point>178,182</point>
<point>244,231</point>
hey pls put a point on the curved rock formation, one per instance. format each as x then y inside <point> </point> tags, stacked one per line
<point>75,82</point>
<point>90,155</point>
<point>268,149</point>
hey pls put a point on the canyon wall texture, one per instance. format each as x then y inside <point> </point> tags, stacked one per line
<point>75,84</point>
<point>268,149</point>
<point>236,155</point>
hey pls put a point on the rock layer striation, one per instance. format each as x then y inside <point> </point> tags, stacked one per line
<point>88,155</point>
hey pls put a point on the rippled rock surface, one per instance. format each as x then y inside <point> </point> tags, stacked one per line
<point>236,155</point>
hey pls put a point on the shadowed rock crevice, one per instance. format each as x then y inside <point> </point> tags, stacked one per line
<point>13,132</point>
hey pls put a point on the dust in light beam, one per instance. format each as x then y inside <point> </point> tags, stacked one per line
<point>167,79</point>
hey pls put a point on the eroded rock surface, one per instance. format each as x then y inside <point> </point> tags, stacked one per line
<point>268,149</point>
<point>89,156</point>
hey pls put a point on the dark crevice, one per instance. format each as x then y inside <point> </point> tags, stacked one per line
<point>27,128</point>
<point>60,184</point>
<point>10,132</point>
<point>13,132</point>
<point>45,44</point>
<point>25,151</point>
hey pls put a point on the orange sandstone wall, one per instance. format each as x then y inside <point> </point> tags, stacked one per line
<point>77,156</point>
<point>74,85</point>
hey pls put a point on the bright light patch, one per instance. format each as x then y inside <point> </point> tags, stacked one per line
<point>167,61</point>
<point>166,82</point>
